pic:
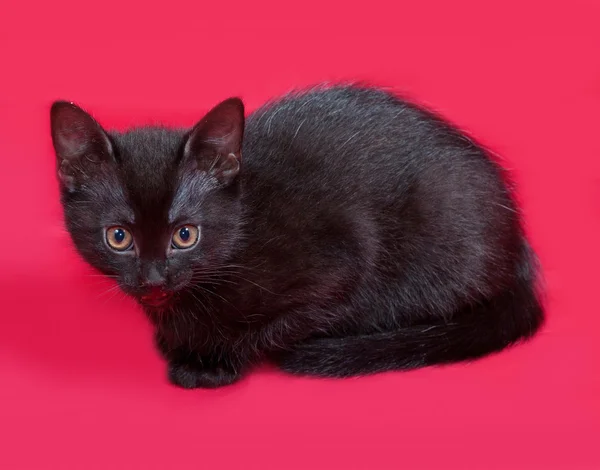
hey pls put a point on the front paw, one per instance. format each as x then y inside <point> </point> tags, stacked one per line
<point>193,375</point>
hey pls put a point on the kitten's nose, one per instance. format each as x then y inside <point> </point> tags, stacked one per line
<point>154,277</point>
<point>153,280</point>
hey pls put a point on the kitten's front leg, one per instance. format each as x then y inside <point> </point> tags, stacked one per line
<point>202,373</point>
<point>189,368</point>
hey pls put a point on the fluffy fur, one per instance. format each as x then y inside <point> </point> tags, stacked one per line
<point>344,231</point>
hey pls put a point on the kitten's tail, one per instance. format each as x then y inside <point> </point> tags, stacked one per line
<point>514,315</point>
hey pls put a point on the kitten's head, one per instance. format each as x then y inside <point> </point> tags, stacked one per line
<point>154,208</point>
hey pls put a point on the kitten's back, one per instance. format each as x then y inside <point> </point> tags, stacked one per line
<point>363,153</point>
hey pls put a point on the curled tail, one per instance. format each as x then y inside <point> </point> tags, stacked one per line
<point>513,315</point>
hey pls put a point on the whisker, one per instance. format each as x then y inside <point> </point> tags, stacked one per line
<point>208,291</point>
<point>257,285</point>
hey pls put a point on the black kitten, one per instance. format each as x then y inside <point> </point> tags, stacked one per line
<point>337,232</point>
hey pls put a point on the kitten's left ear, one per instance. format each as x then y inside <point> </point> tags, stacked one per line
<point>80,143</point>
<point>215,143</point>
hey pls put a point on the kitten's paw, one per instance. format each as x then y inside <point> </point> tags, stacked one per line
<point>190,375</point>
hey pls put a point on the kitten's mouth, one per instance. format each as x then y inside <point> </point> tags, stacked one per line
<point>156,298</point>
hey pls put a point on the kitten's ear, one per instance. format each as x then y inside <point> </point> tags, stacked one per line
<point>215,143</point>
<point>80,143</point>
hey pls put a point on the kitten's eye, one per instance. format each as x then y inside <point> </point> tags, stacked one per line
<point>119,238</point>
<point>185,237</point>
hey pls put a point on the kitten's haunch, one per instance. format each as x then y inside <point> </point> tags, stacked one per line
<point>339,231</point>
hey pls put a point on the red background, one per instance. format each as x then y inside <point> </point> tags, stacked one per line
<point>81,385</point>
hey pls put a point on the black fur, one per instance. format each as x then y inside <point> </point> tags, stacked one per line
<point>350,233</point>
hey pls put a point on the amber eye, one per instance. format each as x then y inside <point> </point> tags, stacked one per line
<point>185,237</point>
<point>119,238</point>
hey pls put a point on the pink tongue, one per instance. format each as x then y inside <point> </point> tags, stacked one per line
<point>156,294</point>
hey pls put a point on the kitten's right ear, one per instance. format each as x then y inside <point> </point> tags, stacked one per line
<point>215,143</point>
<point>80,143</point>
